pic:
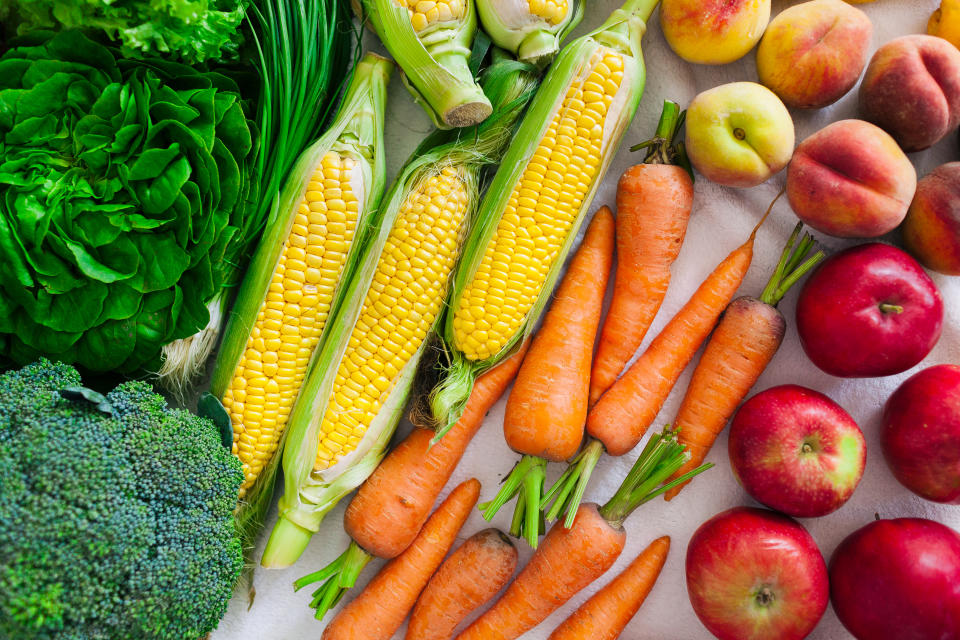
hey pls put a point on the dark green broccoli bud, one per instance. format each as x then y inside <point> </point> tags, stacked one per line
<point>115,521</point>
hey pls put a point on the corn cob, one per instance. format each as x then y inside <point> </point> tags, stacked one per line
<point>532,29</point>
<point>537,200</point>
<point>294,282</point>
<point>431,41</point>
<point>356,390</point>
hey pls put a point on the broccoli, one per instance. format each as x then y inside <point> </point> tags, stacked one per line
<point>116,512</point>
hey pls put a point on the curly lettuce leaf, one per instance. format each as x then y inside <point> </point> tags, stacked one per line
<point>191,30</point>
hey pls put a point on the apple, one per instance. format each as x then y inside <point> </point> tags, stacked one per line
<point>870,310</point>
<point>797,451</point>
<point>921,433</point>
<point>898,580</point>
<point>739,134</point>
<point>753,574</point>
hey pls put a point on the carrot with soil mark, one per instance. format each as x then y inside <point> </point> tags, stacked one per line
<point>466,580</point>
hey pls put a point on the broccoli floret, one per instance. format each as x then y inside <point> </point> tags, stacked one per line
<point>116,512</point>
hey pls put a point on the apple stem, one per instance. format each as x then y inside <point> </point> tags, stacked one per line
<point>793,265</point>
<point>663,147</point>
<point>886,307</point>
<point>660,459</point>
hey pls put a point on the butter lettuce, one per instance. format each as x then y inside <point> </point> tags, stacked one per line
<point>123,185</point>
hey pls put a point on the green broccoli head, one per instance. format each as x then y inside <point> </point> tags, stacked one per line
<point>116,512</point>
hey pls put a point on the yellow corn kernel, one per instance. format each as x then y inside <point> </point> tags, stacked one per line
<point>538,216</point>
<point>425,13</point>
<point>552,11</point>
<point>397,313</point>
<point>291,318</point>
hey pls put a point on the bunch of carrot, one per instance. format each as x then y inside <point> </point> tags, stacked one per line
<point>391,506</point>
<point>548,407</point>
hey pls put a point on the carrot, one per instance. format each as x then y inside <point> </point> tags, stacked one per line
<point>654,200</point>
<point>622,415</point>
<point>566,562</point>
<point>381,607</point>
<point>547,407</point>
<point>394,502</point>
<point>571,558</point>
<point>607,612</point>
<point>743,344</point>
<point>472,574</point>
<point>391,506</point>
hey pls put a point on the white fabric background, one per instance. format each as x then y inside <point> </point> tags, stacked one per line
<point>721,219</point>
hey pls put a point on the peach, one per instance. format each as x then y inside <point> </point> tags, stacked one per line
<point>713,31</point>
<point>945,22</point>
<point>738,134</point>
<point>931,231</point>
<point>813,53</point>
<point>851,180</point>
<point>912,90</point>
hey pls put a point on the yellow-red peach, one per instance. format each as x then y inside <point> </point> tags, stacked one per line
<point>931,231</point>
<point>713,31</point>
<point>911,89</point>
<point>813,53</point>
<point>851,180</point>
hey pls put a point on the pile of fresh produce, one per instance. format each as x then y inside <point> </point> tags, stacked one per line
<point>194,183</point>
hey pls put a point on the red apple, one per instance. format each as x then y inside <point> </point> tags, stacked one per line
<point>753,574</point>
<point>870,310</point>
<point>921,433</point>
<point>898,580</point>
<point>797,451</point>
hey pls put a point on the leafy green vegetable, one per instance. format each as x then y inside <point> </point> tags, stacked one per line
<point>123,186</point>
<point>191,30</point>
<point>115,513</point>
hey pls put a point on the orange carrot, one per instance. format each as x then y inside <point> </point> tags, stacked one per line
<point>743,344</point>
<point>548,405</point>
<point>654,200</point>
<point>572,557</point>
<point>394,502</point>
<point>604,616</point>
<point>472,574</point>
<point>621,417</point>
<point>381,607</point>
<point>566,562</point>
<point>391,506</point>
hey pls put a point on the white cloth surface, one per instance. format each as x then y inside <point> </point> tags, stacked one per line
<point>722,218</point>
